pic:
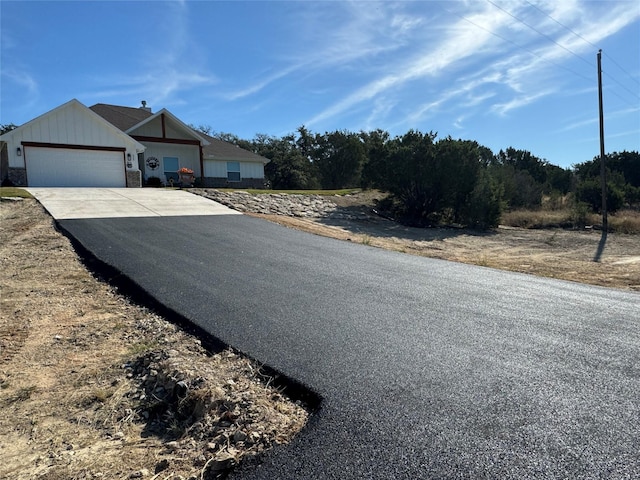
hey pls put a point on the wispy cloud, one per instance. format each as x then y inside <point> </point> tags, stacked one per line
<point>519,101</point>
<point>173,60</point>
<point>451,45</point>
<point>260,84</point>
<point>608,116</point>
<point>530,67</point>
<point>333,35</point>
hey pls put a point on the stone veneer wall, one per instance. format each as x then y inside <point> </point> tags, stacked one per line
<point>222,182</point>
<point>17,176</point>
<point>4,162</point>
<point>134,178</point>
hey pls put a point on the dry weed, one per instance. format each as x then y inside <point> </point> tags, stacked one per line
<point>71,404</point>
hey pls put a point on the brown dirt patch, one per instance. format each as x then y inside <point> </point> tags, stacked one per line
<point>93,386</point>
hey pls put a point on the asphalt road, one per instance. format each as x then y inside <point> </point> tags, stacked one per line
<point>426,368</point>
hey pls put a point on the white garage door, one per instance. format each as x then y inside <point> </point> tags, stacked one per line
<point>61,167</point>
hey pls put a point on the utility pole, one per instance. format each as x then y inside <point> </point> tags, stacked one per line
<point>603,172</point>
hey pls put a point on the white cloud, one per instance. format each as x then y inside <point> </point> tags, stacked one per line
<point>173,59</point>
<point>520,101</point>
<point>261,84</point>
<point>453,44</point>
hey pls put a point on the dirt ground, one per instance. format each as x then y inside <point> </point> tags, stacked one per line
<point>557,253</point>
<point>93,386</point>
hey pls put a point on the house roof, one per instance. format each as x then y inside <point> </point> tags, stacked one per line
<point>125,118</point>
<point>221,150</point>
<point>122,117</point>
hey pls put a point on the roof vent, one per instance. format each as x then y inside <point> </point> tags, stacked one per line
<point>144,106</point>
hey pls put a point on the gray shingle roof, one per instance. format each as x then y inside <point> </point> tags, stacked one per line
<point>122,117</point>
<point>221,150</point>
<point>126,117</point>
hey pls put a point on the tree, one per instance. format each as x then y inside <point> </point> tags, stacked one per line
<point>376,147</point>
<point>206,129</point>
<point>444,181</point>
<point>559,180</point>
<point>626,163</point>
<point>524,177</point>
<point>484,206</point>
<point>339,157</point>
<point>288,168</point>
<point>411,177</point>
<point>524,160</point>
<point>7,127</point>
<point>459,163</point>
<point>589,191</point>
<point>623,177</point>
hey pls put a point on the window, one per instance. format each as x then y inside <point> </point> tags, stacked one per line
<point>171,165</point>
<point>233,171</point>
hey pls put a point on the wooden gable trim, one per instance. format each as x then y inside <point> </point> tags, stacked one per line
<point>70,146</point>
<point>164,126</point>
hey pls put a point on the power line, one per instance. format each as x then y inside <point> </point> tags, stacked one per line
<point>584,40</point>
<point>520,46</point>
<point>541,33</point>
<point>588,79</point>
<point>571,52</point>
<point>561,24</point>
<point>635,94</point>
<point>620,67</point>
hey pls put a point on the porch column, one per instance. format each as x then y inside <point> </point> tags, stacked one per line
<point>201,164</point>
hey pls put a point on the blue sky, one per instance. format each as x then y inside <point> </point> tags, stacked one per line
<point>516,73</point>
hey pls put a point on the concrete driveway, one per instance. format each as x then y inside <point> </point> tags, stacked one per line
<point>77,203</point>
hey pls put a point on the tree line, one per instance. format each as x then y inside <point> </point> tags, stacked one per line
<point>435,181</point>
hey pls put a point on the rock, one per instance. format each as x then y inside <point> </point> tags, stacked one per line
<point>311,206</point>
<point>223,461</point>
<point>239,436</point>
<point>140,473</point>
<point>172,446</point>
<point>181,389</point>
<point>162,465</point>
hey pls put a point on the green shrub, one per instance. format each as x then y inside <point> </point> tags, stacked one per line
<point>153,182</point>
<point>589,192</point>
<point>580,214</point>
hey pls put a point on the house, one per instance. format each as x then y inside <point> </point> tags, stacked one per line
<point>116,146</point>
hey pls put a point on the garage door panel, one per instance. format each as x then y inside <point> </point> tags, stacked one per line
<point>60,167</point>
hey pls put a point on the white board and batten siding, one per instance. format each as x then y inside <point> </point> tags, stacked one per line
<point>51,149</point>
<point>218,169</point>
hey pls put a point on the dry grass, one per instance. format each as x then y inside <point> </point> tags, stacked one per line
<point>623,221</point>
<point>85,376</point>
<point>626,221</point>
<point>537,218</point>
